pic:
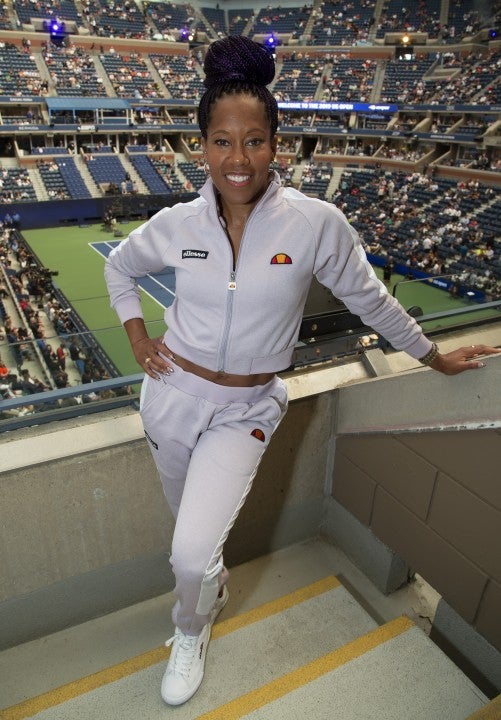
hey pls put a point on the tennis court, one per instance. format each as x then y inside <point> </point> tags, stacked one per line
<point>78,255</point>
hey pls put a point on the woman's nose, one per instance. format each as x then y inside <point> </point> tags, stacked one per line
<point>239,154</point>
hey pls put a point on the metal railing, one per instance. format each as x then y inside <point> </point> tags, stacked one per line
<point>84,399</point>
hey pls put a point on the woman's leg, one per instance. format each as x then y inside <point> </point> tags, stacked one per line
<point>220,474</point>
<point>207,450</point>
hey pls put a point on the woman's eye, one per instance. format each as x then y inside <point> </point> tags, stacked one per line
<point>221,141</point>
<point>254,142</point>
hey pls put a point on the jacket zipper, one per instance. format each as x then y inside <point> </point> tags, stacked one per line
<point>232,286</point>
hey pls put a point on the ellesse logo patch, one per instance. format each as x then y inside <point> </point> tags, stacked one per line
<point>197,254</point>
<point>258,434</point>
<point>281,259</point>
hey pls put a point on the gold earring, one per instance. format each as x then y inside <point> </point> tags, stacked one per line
<point>206,167</point>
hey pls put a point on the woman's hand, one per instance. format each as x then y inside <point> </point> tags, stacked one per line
<point>464,358</point>
<point>153,355</point>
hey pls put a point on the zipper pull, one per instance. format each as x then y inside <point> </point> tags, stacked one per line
<point>232,285</point>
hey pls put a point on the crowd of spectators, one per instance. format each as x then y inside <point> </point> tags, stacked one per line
<point>347,78</point>
<point>288,144</point>
<point>298,77</point>
<point>15,185</point>
<point>342,23</point>
<point>116,18</point>
<point>332,76</point>
<point>129,75</point>
<point>331,22</point>
<point>38,337</point>
<point>289,118</point>
<point>425,224</point>
<point>72,70</point>
<point>403,152</point>
<point>181,76</point>
<point>412,18</point>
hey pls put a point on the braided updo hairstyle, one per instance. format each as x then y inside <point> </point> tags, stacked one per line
<point>233,66</point>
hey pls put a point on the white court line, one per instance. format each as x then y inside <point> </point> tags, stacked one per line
<point>106,242</point>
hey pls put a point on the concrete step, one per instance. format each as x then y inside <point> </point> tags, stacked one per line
<point>314,653</point>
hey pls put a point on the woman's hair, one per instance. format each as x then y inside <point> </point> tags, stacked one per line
<point>233,66</point>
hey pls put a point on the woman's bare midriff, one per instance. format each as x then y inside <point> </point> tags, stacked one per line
<point>219,377</point>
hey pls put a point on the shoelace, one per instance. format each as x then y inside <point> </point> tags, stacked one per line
<point>184,653</point>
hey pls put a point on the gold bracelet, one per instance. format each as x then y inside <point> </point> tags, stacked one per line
<point>430,355</point>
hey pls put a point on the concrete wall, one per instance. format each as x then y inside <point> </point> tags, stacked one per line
<point>432,496</point>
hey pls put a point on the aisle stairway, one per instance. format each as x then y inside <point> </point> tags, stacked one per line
<point>311,653</point>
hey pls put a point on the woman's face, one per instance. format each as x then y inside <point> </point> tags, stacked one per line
<point>239,149</point>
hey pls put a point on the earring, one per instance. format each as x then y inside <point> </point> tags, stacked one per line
<point>206,167</point>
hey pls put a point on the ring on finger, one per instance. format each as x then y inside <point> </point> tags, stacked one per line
<point>147,361</point>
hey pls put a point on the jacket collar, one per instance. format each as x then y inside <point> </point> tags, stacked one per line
<point>208,191</point>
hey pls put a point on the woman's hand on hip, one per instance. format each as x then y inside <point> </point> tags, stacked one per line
<point>153,356</point>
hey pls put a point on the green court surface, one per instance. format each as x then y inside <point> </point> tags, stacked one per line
<point>68,251</point>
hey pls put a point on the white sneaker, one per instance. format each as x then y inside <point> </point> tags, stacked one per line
<point>185,669</point>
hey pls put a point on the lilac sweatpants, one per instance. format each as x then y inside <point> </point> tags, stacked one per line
<point>207,441</point>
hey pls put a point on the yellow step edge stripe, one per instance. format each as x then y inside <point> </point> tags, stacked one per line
<point>492,711</point>
<point>71,690</point>
<point>275,606</point>
<point>242,706</point>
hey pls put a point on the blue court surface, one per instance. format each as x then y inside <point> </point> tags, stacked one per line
<point>160,286</point>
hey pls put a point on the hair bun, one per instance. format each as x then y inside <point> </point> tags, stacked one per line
<point>238,58</point>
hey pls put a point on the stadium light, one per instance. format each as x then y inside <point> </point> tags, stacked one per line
<point>404,50</point>
<point>271,42</point>
<point>56,30</point>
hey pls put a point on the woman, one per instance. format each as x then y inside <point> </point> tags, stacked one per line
<point>244,253</point>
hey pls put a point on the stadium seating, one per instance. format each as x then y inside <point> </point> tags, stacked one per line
<point>106,169</point>
<point>195,174</point>
<point>62,10</point>
<point>340,75</point>
<point>170,18</point>
<point>16,186</point>
<point>73,72</point>
<point>415,16</point>
<point>19,75</point>
<point>129,75</point>
<point>156,183</point>
<point>180,78</point>
<point>73,180</point>
<point>342,24</point>
<point>216,18</point>
<point>116,19</point>
<point>238,20</point>
<point>285,20</point>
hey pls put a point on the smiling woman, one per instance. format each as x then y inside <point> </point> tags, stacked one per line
<point>244,255</point>
<point>238,150</point>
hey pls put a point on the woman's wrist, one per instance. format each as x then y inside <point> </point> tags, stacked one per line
<point>431,356</point>
<point>141,339</point>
